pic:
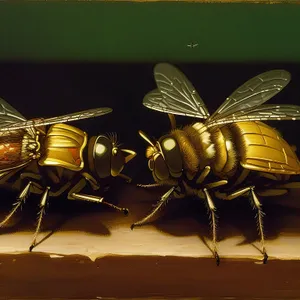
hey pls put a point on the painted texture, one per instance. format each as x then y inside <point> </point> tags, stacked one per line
<point>164,31</point>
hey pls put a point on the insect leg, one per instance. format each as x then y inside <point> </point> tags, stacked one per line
<point>92,181</point>
<point>203,174</point>
<point>212,210</point>
<point>40,216</point>
<point>163,200</point>
<point>125,177</point>
<point>27,175</point>
<point>75,194</point>
<point>259,215</point>
<point>216,184</point>
<point>60,191</point>
<point>20,200</point>
<point>147,186</point>
<point>4,176</point>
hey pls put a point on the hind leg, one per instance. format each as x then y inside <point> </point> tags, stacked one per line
<point>43,204</point>
<point>259,212</point>
<point>24,194</point>
<point>20,200</point>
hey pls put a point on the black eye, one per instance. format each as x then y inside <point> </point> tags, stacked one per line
<point>151,164</point>
<point>172,155</point>
<point>102,156</point>
<point>160,168</point>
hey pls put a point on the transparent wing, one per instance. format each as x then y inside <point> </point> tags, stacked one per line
<point>177,94</point>
<point>154,100</point>
<point>90,113</point>
<point>253,93</point>
<point>9,115</point>
<point>262,113</point>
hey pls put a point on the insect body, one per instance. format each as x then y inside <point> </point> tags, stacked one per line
<point>245,156</point>
<point>57,160</point>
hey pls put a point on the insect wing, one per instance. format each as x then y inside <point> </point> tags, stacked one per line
<point>263,113</point>
<point>177,95</point>
<point>90,113</point>
<point>251,94</point>
<point>154,100</point>
<point>9,115</point>
<point>275,112</point>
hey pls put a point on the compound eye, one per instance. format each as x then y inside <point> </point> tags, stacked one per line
<point>160,168</point>
<point>172,155</point>
<point>151,164</point>
<point>102,156</point>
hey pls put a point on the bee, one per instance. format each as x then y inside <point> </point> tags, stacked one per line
<point>231,153</point>
<point>51,160</point>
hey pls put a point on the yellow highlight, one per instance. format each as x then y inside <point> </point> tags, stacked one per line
<point>100,149</point>
<point>169,144</point>
<point>228,145</point>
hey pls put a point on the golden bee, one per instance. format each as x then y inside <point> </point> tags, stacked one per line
<point>59,159</point>
<point>232,144</point>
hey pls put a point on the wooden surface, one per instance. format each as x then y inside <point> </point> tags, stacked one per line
<point>89,230</point>
<point>93,253</point>
<point>75,277</point>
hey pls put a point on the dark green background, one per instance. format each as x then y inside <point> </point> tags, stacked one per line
<point>126,31</point>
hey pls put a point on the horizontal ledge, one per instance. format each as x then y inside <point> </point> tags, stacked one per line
<point>95,254</point>
<point>145,276</point>
<point>181,230</point>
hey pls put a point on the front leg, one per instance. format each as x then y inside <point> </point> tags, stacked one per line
<point>163,200</point>
<point>91,180</point>
<point>75,194</point>
<point>125,177</point>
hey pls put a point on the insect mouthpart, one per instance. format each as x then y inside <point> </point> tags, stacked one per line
<point>151,164</point>
<point>114,151</point>
<point>150,151</point>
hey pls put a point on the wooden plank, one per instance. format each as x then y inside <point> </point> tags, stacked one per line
<point>40,277</point>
